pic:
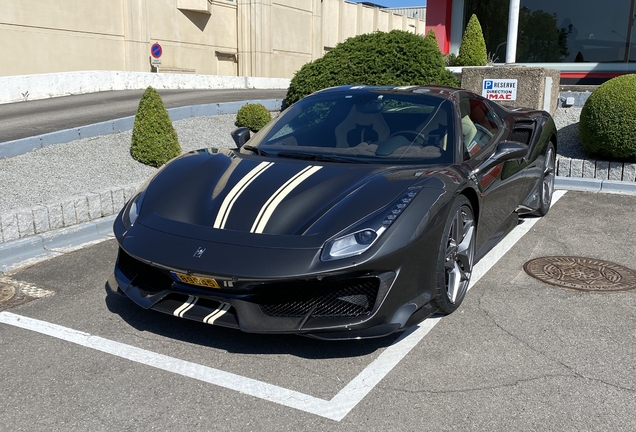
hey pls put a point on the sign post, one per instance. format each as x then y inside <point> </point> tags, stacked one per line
<point>155,53</point>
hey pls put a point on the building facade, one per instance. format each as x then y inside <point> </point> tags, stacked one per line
<point>589,41</point>
<point>266,38</point>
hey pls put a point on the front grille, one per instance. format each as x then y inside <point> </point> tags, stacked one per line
<point>325,299</point>
<point>143,275</point>
<point>349,298</point>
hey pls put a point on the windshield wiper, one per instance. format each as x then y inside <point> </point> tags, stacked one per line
<point>256,150</point>
<point>318,157</point>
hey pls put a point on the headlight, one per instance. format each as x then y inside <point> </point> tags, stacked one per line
<point>364,235</point>
<point>131,213</point>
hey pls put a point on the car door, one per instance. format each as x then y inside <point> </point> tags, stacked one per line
<point>502,185</point>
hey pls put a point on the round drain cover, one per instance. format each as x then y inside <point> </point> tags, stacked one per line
<point>584,274</point>
<point>6,293</point>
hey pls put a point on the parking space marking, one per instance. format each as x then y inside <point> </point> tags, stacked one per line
<point>335,409</point>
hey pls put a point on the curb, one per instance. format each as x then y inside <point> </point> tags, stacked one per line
<point>24,145</point>
<point>64,240</point>
<point>54,243</point>
<point>595,185</point>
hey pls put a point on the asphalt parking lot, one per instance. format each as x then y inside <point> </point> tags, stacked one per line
<point>518,355</point>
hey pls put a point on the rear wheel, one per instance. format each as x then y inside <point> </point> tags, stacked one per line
<point>547,181</point>
<point>456,255</point>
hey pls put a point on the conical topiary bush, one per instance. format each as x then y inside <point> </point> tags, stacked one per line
<point>154,140</point>
<point>472,51</point>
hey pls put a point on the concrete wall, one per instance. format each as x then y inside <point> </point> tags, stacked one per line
<point>537,88</point>
<point>41,86</point>
<point>264,38</point>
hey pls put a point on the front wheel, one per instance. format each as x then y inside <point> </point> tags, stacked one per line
<point>455,257</point>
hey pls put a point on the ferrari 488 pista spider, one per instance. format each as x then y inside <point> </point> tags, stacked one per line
<point>357,212</point>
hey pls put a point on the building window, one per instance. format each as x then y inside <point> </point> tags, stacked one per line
<point>560,31</point>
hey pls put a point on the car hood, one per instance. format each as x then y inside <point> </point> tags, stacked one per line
<point>226,196</point>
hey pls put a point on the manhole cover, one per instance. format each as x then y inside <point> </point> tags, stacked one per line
<point>584,274</point>
<point>6,293</point>
<point>14,293</point>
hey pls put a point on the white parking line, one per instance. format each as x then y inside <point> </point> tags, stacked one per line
<point>335,409</point>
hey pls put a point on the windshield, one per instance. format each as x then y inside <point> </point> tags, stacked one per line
<point>362,126</point>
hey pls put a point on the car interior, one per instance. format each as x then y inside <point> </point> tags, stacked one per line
<point>376,127</point>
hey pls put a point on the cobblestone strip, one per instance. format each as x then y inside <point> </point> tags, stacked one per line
<point>73,211</point>
<point>593,169</point>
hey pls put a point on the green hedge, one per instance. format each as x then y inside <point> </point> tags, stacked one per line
<point>154,140</point>
<point>394,58</point>
<point>607,125</point>
<point>253,116</point>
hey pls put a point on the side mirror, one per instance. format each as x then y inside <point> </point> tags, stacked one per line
<point>241,136</point>
<point>506,151</point>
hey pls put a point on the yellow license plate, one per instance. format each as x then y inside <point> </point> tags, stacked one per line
<point>196,280</point>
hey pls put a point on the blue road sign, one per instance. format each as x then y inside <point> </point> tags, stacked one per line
<point>487,85</point>
<point>156,50</point>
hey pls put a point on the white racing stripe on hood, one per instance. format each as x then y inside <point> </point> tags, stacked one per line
<point>272,203</point>
<point>237,190</point>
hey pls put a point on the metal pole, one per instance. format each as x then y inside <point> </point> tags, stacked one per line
<point>513,28</point>
<point>630,24</point>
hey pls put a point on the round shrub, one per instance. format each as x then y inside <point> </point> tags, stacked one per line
<point>607,126</point>
<point>154,140</point>
<point>395,58</point>
<point>472,51</point>
<point>253,116</point>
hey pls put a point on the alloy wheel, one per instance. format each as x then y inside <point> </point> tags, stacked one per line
<point>548,176</point>
<point>460,251</point>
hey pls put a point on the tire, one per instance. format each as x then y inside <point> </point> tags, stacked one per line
<point>547,181</point>
<point>456,256</point>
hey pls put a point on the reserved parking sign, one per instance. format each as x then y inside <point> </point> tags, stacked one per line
<point>500,89</point>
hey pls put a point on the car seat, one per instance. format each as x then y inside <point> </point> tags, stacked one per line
<point>364,123</point>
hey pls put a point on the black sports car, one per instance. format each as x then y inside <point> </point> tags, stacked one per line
<point>358,212</point>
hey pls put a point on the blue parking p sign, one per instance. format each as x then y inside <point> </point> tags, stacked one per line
<point>487,84</point>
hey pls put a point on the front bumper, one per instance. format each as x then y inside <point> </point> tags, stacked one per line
<point>345,306</point>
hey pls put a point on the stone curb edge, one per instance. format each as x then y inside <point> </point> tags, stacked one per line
<point>20,146</point>
<point>59,241</point>
<point>54,243</point>
<point>595,185</point>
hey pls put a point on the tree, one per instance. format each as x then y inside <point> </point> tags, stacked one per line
<point>540,38</point>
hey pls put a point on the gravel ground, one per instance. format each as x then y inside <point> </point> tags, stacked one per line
<point>567,122</point>
<point>56,173</point>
